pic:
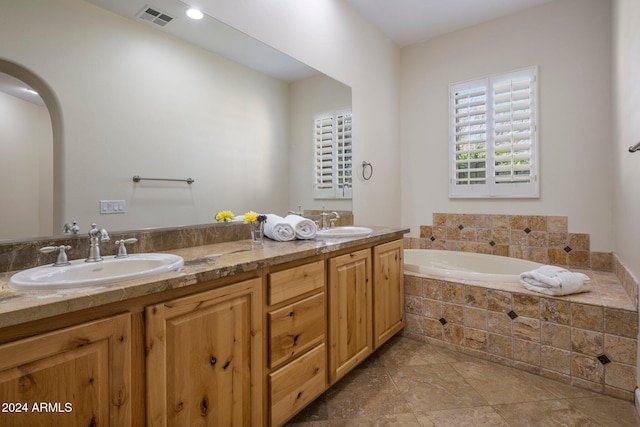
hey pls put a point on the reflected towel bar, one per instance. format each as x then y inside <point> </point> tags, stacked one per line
<point>136,178</point>
<point>634,148</point>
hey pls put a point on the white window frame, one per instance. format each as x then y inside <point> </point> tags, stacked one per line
<point>519,136</point>
<point>333,155</point>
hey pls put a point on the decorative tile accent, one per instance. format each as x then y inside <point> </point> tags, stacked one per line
<point>538,238</point>
<point>575,341</point>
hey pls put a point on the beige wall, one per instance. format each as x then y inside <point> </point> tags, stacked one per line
<point>332,37</point>
<point>570,41</point>
<point>626,167</point>
<point>626,190</point>
<point>135,101</point>
<point>26,147</point>
<point>307,97</point>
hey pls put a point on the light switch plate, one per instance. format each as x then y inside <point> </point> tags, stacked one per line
<point>112,206</point>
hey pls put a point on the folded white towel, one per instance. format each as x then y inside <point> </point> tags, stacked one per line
<point>277,229</point>
<point>304,227</point>
<point>552,280</point>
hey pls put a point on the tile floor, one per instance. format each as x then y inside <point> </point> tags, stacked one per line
<point>409,383</point>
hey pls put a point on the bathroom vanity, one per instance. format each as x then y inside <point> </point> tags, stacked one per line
<point>244,334</point>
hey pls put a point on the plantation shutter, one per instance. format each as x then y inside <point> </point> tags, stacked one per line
<point>470,134</point>
<point>493,136</point>
<point>333,146</point>
<point>323,136</point>
<point>512,128</point>
<point>344,160</point>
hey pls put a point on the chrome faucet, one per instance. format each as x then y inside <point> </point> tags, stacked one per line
<point>95,237</point>
<point>299,213</point>
<point>327,222</point>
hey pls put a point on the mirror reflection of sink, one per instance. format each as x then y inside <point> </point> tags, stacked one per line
<point>347,231</point>
<point>82,274</point>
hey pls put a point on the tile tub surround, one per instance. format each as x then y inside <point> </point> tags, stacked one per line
<point>587,340</point>
<point>543,239</point>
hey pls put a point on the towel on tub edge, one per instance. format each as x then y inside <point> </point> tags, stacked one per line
<point>277,229</point>
<point>552,280</point>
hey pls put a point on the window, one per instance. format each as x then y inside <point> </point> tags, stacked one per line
<point>493,136</point>
<point>333,157</point>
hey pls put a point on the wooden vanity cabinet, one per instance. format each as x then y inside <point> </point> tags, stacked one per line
<point>366,304</point>
<point>296,322</point>
<point>77,376</point>
<point>350,312</point>
<point>204,358</point>
<point>388,291</point>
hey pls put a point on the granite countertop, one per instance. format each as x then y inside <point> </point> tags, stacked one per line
<point>201,264</point>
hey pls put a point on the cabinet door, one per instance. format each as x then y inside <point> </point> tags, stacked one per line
<point>204,354</point>
<point>350,316</point>
<point>78,376</point>
<point>388,291</point>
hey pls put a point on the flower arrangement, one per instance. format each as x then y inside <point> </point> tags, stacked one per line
<point>252,216</point>
<point>225,216</point>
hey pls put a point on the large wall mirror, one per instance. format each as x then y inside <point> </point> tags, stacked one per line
<point>184,99</point>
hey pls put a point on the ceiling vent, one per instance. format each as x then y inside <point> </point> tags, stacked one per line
<point>154,16</point>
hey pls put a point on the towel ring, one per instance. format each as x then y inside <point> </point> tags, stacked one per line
<point>366,165</point>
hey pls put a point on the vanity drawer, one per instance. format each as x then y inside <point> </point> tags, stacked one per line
<point>295,328</point>
<point>286,284</point>
<point>297,384</point>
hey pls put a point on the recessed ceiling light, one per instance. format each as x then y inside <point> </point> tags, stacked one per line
<point>194,14</point>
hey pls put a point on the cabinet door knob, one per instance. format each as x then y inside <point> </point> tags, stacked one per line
<point>213,361</point>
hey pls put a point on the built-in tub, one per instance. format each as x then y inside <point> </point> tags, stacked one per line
<point>466,265</point>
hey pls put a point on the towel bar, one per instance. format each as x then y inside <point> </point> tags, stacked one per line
<point>136,178</point>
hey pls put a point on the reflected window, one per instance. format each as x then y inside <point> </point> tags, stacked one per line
<point>333,155</point>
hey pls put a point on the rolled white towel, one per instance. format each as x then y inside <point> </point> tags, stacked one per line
<point>304,227</point>
<point>277,229</point>
<point>552,280</point>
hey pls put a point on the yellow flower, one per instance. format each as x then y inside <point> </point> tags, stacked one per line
<point>225,216</point>
<point>250,216</point>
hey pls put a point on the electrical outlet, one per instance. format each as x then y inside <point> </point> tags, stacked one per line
<point>112,206</point>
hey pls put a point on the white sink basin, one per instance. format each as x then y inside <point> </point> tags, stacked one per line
<point>347,231</point>
<point>81,274</point>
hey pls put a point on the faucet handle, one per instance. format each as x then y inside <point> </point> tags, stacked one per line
<point>122,250</point>
<point>62,259</point>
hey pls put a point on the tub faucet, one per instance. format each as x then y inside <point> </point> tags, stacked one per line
<point>95,237</point>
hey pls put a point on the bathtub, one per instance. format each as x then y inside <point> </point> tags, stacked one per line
<point>466,265</point>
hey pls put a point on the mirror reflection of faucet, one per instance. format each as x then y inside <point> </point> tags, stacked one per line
<point>70,228</point>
